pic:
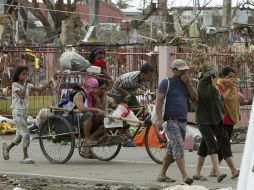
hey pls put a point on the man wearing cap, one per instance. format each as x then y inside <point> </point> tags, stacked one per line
<point>176,108</point>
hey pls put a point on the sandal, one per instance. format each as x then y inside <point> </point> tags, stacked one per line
<point>235,174</point>
<point>199,177</point>
<point>188,181</point>
<point>90,143</point>
<point>166,179</point>
<point>27,161</point>
<point>87,154</point>
<point>5,152</point>
<point>221,177</point>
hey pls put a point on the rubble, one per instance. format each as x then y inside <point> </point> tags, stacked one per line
<point>239,135</point>
<point>32,183</point>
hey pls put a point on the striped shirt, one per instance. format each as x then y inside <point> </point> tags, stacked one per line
<point>129,81</point>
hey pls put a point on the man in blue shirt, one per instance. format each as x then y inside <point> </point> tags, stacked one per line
<point>176,109</point>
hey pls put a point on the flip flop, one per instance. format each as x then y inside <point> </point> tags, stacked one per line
<point>199,177</point>
<point>90,143</point>
<point>5,152</point>
<point>188,181</point>
<point>235,174</point>
<point>27,161</point>
<point>221,177</point>
<point>86,155</point>
<point>166,179</point>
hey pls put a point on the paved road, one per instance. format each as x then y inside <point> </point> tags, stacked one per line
<point>132,165</point>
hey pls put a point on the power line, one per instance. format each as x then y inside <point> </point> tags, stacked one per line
<point>107,16</point>
<point>72,12</point>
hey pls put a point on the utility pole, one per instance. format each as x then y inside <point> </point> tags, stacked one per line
<point>16,31</point>
<point>162,6</point>
<point>226,17</point>
<point>94,6</point>
<point>166,20</point>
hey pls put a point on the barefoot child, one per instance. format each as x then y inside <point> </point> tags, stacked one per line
<point>20,92</point>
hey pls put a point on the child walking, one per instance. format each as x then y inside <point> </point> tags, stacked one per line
<point>20,92</point>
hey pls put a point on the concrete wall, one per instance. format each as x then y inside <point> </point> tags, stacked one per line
<point>165,60</point>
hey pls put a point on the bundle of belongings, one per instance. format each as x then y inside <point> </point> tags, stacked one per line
<point>232,103</point>
<point>123,111</point>
<point>73,61</point>
<point>68,95</point>
<point>42,116</point>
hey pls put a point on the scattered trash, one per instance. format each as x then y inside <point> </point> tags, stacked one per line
<point>30,120</point>
<point>42,116</point>
<point>7,128</point>
<point>5,119</point>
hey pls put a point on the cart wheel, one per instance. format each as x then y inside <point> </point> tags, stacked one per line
<point>106,153</point>
<point>156,153</point>
<point>57,140</point>
<point>108,148</point>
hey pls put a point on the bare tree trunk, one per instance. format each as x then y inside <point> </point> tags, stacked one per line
<point>94,6</point>
<point>226,18</point>
<point>38,14</point>
<point>23,14</point>
<point>59,16</point>
<point>166,19</point>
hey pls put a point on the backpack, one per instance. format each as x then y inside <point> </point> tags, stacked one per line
<point>67,101</point>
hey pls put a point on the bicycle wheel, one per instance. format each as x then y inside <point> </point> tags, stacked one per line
<point>109,150</point>
<point>57,139</point>
<point>155,152</point>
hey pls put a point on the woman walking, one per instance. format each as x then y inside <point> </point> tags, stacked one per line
<point>209,117</point>
<point>232,100</point>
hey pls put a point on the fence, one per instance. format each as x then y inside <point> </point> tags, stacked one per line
<point>120,59</point>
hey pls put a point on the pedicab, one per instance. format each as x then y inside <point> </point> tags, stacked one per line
<point>58,138</point>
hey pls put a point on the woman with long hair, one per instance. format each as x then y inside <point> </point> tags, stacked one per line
<point>21,87</point>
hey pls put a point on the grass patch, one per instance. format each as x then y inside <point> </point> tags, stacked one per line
<point>35,104</point>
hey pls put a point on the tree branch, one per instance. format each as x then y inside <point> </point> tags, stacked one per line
<point>191,22</point>
<point>69,5</point>
<point>50,6</point>
<point>74,4</point>
<point>38,14</point>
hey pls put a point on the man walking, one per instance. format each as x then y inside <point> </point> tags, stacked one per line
<point>176,109</point>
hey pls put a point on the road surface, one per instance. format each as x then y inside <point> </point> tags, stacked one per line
<point>131,166</point>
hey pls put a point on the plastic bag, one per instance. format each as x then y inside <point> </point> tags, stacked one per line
<point>42,116</point>
<point>73,61</point>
